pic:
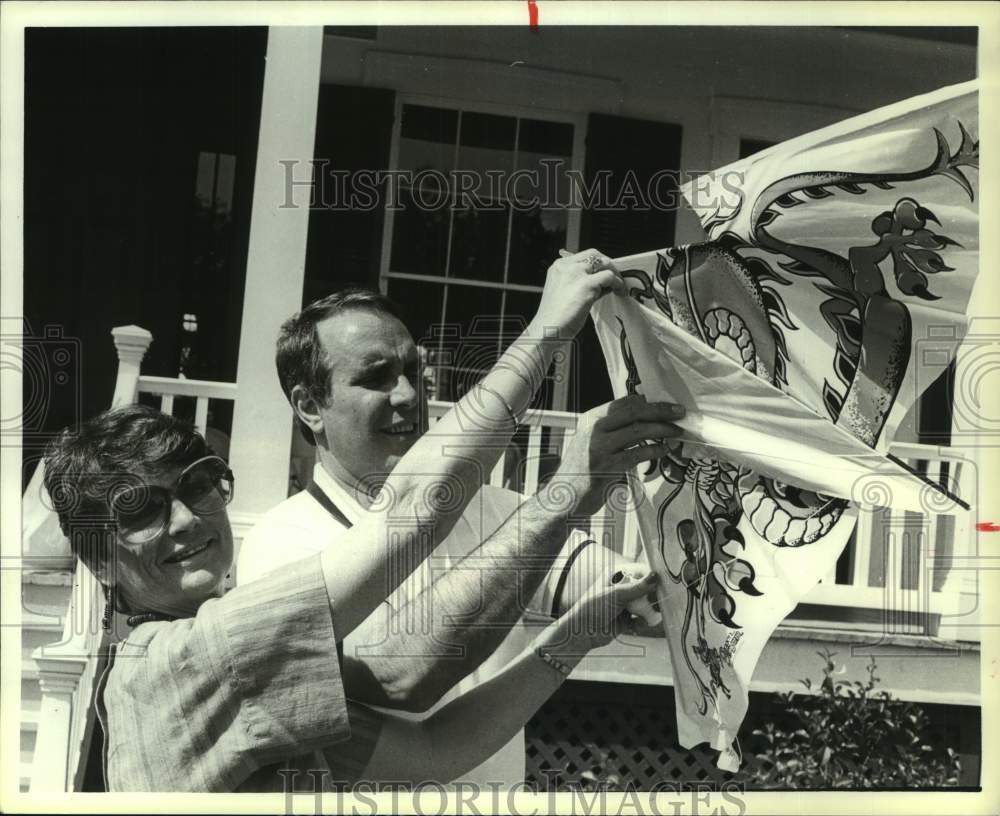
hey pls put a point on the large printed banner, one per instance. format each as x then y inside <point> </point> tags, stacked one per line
<point>790,336</point>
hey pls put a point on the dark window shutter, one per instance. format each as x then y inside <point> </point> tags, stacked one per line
<point>935,409</point>
<point>618,146</point>
<point>353,133</point>
<point>749,147</point>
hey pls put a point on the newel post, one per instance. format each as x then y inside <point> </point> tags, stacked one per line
<point>59,680</point>
<point>131,343</point>
<point>67,670</point>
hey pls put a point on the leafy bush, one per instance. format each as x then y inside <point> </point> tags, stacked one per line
<point>850,736</point>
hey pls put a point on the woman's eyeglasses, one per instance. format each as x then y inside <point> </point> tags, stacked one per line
<point>142,512</point>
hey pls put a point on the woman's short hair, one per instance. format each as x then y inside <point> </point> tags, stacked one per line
<point>299,355</point>
<point>85,467</point>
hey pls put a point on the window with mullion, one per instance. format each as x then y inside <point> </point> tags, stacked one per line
<point>477,251</point>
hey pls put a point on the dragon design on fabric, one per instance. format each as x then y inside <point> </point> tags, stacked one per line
<point>726,294</point>
<point>872,328</point>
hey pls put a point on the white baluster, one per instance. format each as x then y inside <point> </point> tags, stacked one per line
<point>496,476</point>
<point>201,414</point>
<point>862,548</point>
<point>533,460</point>
<point>131,343</point>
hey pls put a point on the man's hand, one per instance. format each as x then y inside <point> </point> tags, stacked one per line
<point>573,284</point>
<point>608,441</point>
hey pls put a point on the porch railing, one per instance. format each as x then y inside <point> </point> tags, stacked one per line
<point>896,573</point>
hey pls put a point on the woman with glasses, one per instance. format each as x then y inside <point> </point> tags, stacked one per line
<point>221,692</point>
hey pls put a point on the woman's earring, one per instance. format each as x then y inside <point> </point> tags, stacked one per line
<point>109,609</point>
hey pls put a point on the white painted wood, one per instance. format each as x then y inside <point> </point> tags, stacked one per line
<point>481,81</point>
<point>187,388</point>
<point>456,281</point>
<point>532,460</point>
<point>389,214</point>
<point>928,550</point>
<point>167,404</point>
<point>201,415</point>
<point>913,672</point>
<point>66,675</point>
<point>50,767</point>
<point>496,475</point>
<point>852,597</point>
<point>262,420</point>
<point>131,343</point>
<point>862,548</point>
<point>893,554</point>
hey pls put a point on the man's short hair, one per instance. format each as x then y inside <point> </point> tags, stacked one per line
<point>84,468</point>
<point>300,357</point>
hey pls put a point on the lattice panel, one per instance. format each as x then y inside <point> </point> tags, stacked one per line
<point>617,735</point>
<point>580,742</point>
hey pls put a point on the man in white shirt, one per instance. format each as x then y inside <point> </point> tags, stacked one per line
<point>350,370</point>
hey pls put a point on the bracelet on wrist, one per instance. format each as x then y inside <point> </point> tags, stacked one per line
<point>564,576</point>
<point>499,396</point>
<point>564,669</point>
<point>532,388</point>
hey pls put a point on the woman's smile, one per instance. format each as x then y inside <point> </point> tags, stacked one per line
<point>187,554</point>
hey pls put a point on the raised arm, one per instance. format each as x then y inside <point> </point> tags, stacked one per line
<point>430,487</point>
<point>443,746</point>
<point>473,605</point>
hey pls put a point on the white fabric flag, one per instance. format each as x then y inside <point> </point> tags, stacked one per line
<point>790,336</point>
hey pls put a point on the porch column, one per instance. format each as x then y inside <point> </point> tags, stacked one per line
<point>262,420</point>
<point>59,681</point>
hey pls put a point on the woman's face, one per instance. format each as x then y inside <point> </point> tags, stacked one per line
<point>181,567</point>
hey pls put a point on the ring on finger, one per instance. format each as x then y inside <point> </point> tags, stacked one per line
<point>594,263</point>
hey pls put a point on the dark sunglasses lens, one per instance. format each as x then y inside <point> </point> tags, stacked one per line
<point>140,512</point>
<point>206,488</point>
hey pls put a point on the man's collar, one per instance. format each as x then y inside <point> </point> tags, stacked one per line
<point>338,494</point>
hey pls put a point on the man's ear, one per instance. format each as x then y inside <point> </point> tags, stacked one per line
<point>307,410</point>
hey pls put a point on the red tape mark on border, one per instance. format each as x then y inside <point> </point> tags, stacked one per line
<point>532,14</point>
<point>988,527</point>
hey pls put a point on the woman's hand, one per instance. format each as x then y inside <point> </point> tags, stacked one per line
<point>573,284</point>
<point>604,612</point>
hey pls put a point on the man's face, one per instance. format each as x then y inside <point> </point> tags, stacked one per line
<point>182,567</point>
<point>376,400</point>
